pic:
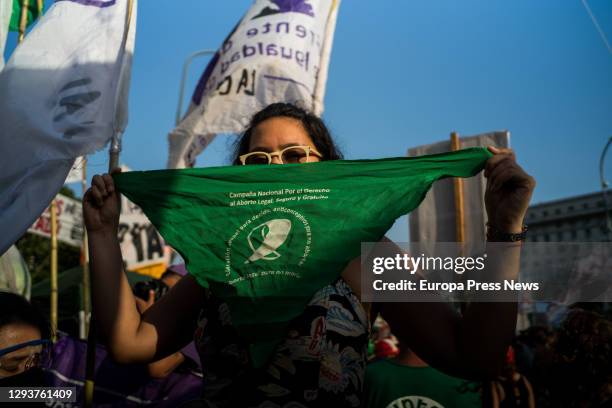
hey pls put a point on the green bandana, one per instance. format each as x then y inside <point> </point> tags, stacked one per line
<point>266,238</point>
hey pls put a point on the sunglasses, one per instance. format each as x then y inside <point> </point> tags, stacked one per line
<point>289,155</point>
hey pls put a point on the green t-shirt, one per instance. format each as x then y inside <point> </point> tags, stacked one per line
<point>389,384</point>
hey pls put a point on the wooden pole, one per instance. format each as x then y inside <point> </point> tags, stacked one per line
<point>53,279</point>
<point>39,6</point>
<point>23,19</point>
<point>86,281</point>
<point>459,203</point>
<point>459,213</point>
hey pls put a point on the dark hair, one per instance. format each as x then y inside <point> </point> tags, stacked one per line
<point>313,125</point>
<point>16,309</point>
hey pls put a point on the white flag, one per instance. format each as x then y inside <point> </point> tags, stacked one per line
<point>63,94</point>
<point>6,9</point>
<point>278,52</point>
<point>76,171</point>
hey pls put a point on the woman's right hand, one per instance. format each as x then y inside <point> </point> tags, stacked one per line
<point>101,205</point>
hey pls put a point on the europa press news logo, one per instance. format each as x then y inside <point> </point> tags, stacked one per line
<point>286,6</point>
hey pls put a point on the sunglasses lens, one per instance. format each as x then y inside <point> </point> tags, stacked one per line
<point>256,158</point>
<point>295,155</point>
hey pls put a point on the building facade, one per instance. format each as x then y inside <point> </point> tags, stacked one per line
<point>575,219</point>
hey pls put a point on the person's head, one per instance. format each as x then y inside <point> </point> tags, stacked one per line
<point>283,126</point>
<point>579,371</point>
<point>23,331</point>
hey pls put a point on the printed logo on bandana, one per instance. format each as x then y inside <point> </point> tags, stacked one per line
<point>275,242</point>
<point>94,3</point>
<point>273,234</point>
<point>286,6</point>
<point>414,401</point>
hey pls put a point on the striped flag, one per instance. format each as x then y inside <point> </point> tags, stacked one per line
<point>5,19</point>
<point>32,13</point>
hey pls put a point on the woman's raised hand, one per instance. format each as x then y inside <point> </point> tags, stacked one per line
<point>101,205</point>
<point>508,192</point>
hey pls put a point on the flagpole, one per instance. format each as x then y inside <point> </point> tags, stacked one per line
<point>53,279</point>
<point>186,64</point>
<point>459,202</point>
<point>113,162</point>
<point>86,281</point>
<point>321,80</point>
<point>459,212</point>
<point>23,19</point>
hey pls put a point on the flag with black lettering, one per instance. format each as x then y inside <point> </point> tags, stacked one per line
<point>63,94</point>
<point>278,52</point>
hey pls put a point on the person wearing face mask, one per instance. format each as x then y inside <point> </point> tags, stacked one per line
<point>321,362</point>
<point>24,342</point>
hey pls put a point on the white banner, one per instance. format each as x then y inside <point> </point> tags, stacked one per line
<point>63,94</point>
<point>69,221</point>
<point>141,244</point>
<point>278,52</point>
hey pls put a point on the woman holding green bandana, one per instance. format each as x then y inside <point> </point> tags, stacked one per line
<point>321,361</point>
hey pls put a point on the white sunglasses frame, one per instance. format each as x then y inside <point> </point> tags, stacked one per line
<point>279,153</point>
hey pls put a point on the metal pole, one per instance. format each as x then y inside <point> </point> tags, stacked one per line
<point>114,151</point>
<point>53,210</point>
<point>188,61</point>
<point>23,20</point>
<point>604,189</point>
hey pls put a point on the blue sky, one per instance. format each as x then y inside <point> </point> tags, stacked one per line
<point>408,73</point>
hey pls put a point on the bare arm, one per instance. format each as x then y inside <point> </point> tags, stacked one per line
<point>166,326</point>
<point>164,367</point>
<point>473,344</point>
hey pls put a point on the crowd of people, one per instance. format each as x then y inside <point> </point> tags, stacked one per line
<point>566,366</point>
<point>437,356</point>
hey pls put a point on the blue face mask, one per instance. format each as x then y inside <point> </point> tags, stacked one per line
<point>32,374</point>
<point>43,342</point>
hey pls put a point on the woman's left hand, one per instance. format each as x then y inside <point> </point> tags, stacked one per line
<point>508,192</point>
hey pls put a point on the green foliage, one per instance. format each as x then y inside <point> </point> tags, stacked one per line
<point>68,192</point>
<point>36,252</point>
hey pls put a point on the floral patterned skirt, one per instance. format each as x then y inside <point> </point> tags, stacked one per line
<point>320,363</point>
